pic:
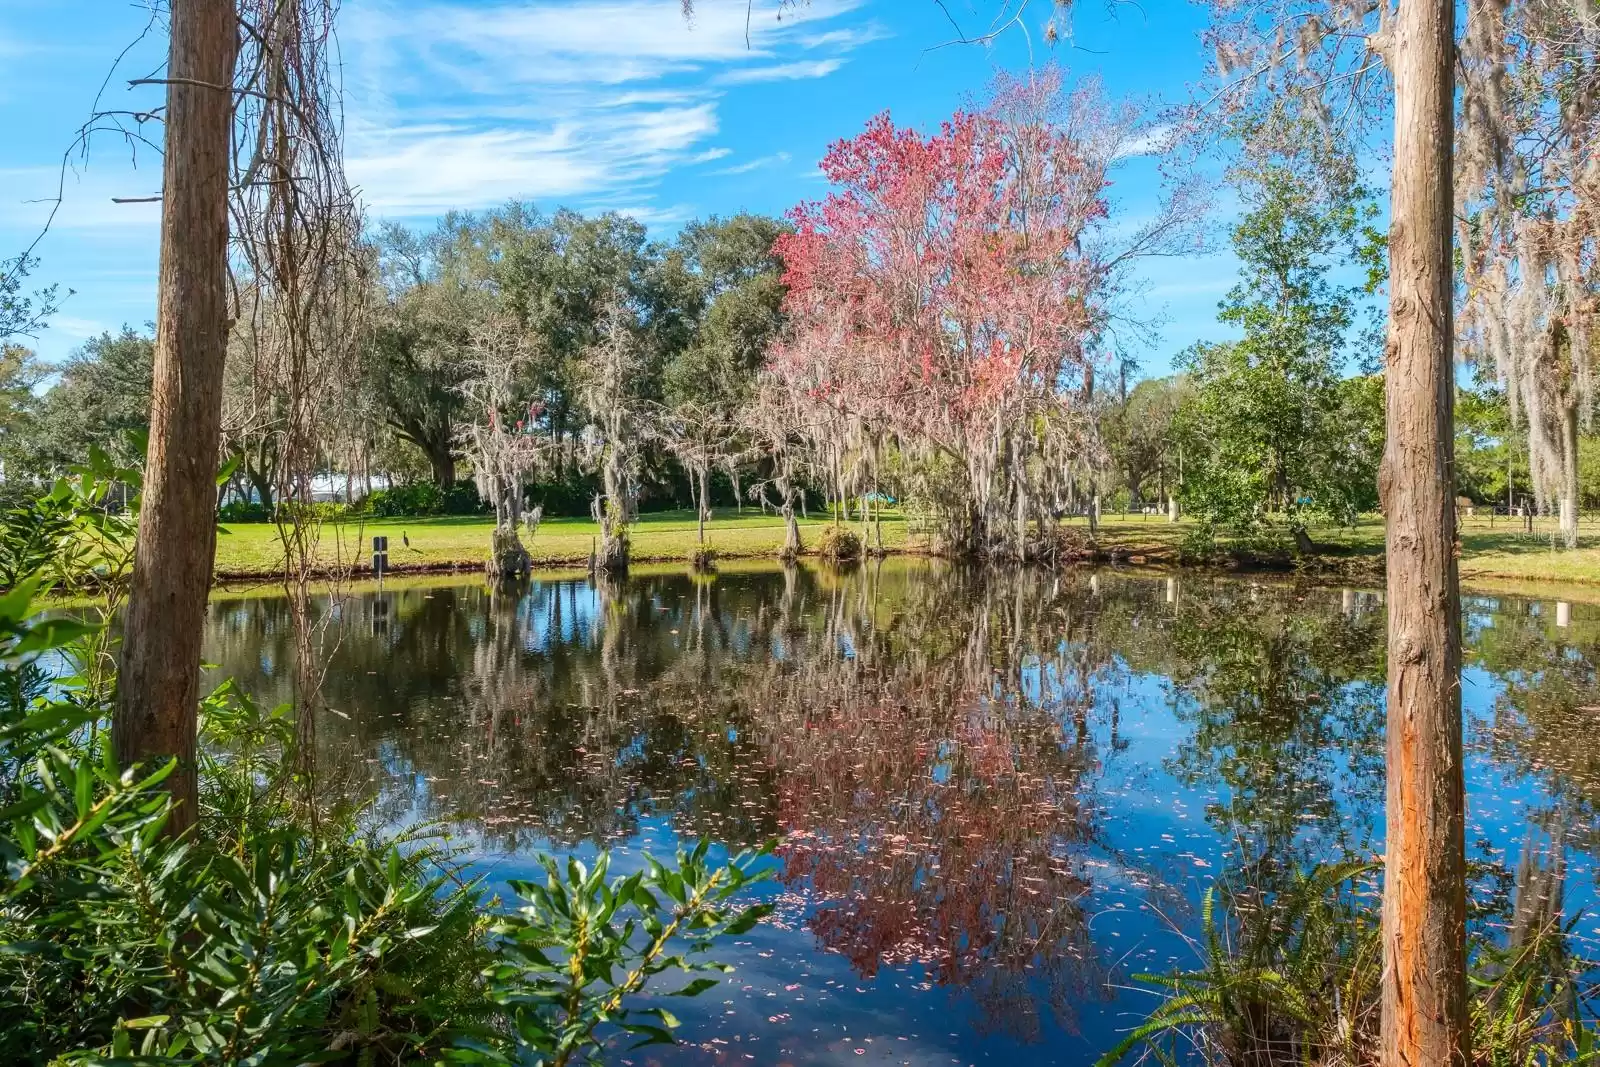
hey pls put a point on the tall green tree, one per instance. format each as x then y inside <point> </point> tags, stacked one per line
<point>710,380</point>
<point>23,314</point>
<point>19,373</point>
<point>740,303</point>
<point>1280,435</point>
<point>1491,452</point>
<point>415,358</point>
<point>1141,437</point>
<point>101,397</point>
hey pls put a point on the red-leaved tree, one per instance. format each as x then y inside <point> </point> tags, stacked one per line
<point>951,295</point>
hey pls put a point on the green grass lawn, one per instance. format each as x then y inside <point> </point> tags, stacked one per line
<point>1498,551</point>
<point>252,550</point>
<point>1490,549</point>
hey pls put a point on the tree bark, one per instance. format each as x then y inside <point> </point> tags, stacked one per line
<point>1303,545</point>
<point>443,461</point>
<point>158,690</point>
<point>1424,900</point>
<point>705,499</point>
<point>1569,475</point>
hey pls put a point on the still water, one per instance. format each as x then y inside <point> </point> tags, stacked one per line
<point>997,797</point>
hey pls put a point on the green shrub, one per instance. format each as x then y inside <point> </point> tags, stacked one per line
<point>422,500</point>
<point>703,558</point>
<point>277,935</point>
<point>1292,975</point>
<point>418,500</point>
<point>33,532</point>
<point>243,511</point>
<point>614,938</point>
<point>839,543</point>
<point>1199,545</point>
<point>74,533</point>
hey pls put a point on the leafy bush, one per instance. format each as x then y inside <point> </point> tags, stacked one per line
<point>243,511</point>
<point>557,1003</point>
<point>417,500</point>
<point>252,940</point>
<point>1288,977</point>
<point>1292,975</point>
<point>703,558</point>
<point>1199,545</point>
<point>570,495</point>
<point>274,934</point>
<point>72,534</point>
<point>32,533</point>
<point>422,500</point>
<point>839,543</point>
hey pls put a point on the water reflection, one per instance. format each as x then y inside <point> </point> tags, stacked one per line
<point>996,794</point>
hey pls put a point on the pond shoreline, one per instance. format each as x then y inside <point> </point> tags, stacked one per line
<point>1331,569</point>
<point>1487,552</point>
<point>979,779</point>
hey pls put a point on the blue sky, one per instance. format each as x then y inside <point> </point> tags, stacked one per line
<point>591,104</point>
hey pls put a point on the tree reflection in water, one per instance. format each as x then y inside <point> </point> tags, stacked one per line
<point>933,747</point>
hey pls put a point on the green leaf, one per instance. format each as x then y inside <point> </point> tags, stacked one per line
<point>695,988</point>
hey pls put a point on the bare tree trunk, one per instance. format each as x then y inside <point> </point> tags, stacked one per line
<point>1303,545</point>
<point>1569,475</point>
<point>612,515</point>
<point>703,477</point>
<point>1424,899</point>
<point>791,529</point>
<point>158,691</point>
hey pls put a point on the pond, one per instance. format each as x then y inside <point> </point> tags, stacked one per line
<point>997,796</point>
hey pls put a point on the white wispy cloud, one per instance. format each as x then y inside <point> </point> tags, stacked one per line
<point>78,329</point>
<point>452,103</point>
<point>845,39</point>
<point>29,194</point>
<point>755,164</point>
<point>781,72</point>
<point>1149,142</point>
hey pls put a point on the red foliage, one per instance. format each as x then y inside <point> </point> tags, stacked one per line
<point>945,276</point>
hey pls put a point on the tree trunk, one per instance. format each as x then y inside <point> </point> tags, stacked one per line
<point>158,690</point>
<point>791,534</point>
<point>791,529</point>
<point>612,515</point>
<point>703,479</point>
<point>443,461</point>
<point>1173,511</point>
<point>260,478</point>
<point>1424,900</point>
<point>1303,545</point>
<point>1569,475</point>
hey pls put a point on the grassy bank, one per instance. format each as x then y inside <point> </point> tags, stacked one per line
<point>1490,550</point>
<point>252,550</point>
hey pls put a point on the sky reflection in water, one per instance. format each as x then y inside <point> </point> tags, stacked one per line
<point>998,796</point>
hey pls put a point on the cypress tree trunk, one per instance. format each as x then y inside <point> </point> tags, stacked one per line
<point>1569,474</point>
<point>160,672</point>
<point>705,499</point>
<point>1424,900</point>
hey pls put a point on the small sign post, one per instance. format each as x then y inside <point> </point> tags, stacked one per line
<point>380,556</point>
